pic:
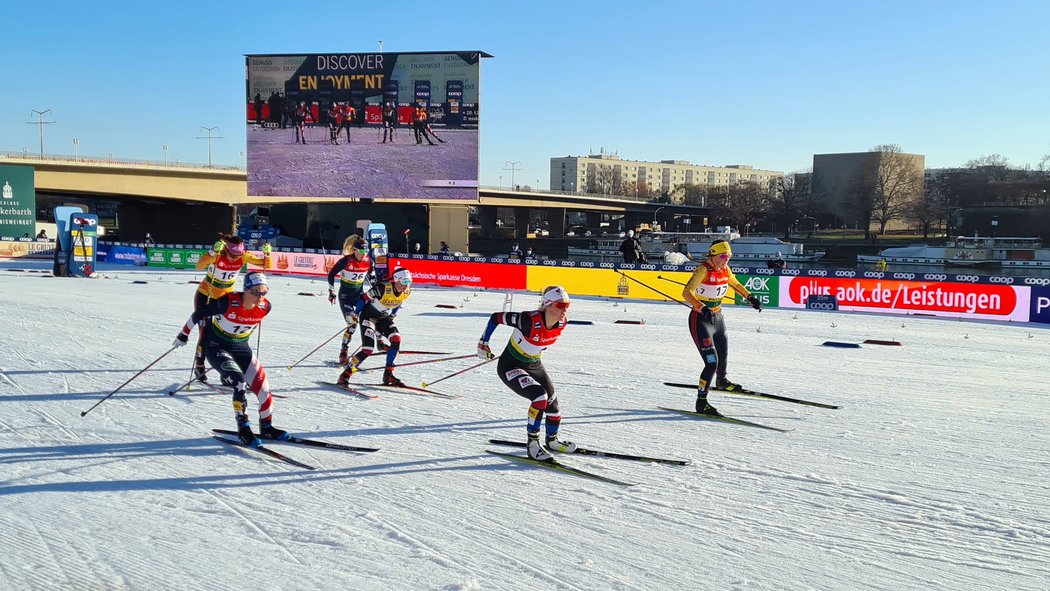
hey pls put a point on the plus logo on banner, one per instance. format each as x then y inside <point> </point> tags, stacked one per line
<point>1040,310</point>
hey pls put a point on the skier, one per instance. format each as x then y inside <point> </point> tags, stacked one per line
<point>521,369</point>
<point>419,125</point>
<point>389,121</point>
<point>335,120</point>
<point>301,116</point>
<point>704,292</point>
<point>233,318</point>
<point>353,269</point>
<point>377,309</point>
<point>349,114</point>
<point>223,262</point>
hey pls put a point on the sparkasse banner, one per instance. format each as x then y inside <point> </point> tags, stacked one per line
<point>17,201</point>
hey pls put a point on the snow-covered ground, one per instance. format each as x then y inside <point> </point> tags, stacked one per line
<point>933,474</point>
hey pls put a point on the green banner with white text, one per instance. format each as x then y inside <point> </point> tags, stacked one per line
<point>17,202</point>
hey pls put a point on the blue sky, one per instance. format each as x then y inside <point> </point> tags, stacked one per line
<point>761,83</point>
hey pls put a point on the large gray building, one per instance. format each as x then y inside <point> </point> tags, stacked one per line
<point>838,177</point>
<point>607,173</point>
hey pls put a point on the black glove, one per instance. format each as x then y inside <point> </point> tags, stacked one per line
<point>755,302</point>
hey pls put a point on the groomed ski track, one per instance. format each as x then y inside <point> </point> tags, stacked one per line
<point>932,475</point>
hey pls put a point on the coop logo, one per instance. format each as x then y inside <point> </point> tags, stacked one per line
<point>1036,281</point>
<point>550,263</point>
<point>845,273</point>
<point>587,264</point>
<point>85,221</point>
<point>606,265</point>
<point>497,260</point>
<point>669,267</point>
<point>967,278</point>
<point>907,276</point>
<point>568,263</point>
<point>817,273</point>
<point>1003,280</point>
<point>934,277</point>
<point>763,271</point>
<point>757,284</point>
<point>647,267</point>
<point>792,272</point>
<point>873,274</point>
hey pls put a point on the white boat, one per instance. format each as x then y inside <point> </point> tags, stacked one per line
<point>745,249</point>
<point>695,245</point>
<point>969,252</point>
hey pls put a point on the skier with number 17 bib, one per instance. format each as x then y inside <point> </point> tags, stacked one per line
<point>522,371</point>
<point>704,292</point>
<point>232,319</point>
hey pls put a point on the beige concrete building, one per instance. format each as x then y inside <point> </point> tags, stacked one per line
<point>836,178</point>
<point>608,174</point>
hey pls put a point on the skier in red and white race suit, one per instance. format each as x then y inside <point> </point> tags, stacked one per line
<point>704,291</point>
<point>353,270</point>
<point>231,320</point>
<point>223,263</point>
<point>377,308</point>
<point>521,369</point>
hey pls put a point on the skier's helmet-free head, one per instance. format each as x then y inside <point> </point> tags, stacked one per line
<point>255,279</point>
<point>402,276</point>
<point>630,233</point>
<point>554,295</point>
<point>720,248</point>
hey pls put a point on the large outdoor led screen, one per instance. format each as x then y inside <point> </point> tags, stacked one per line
<point>364,125</point>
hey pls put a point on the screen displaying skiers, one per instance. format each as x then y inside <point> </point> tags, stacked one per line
<point>408,122</point>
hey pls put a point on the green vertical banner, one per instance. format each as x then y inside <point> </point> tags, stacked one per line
<point>766,287</point>
<point>17,201</point>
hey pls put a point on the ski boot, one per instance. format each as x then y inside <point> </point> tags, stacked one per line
<point>244,432</point>
<point>724,384</point>
<point>704,407</point>
<point>389,379</point>
<point>536,450</point>
<point>268,431</point>
<point>555,444</point>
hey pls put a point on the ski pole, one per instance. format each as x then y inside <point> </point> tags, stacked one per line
<point>187,384</point>
<point>258,339</point>
<point>671,280</point>
<point>317,348</point>
<point>462,371</point>
<point>143,370</point>
<point>416,362</point>
<point>643,284</point>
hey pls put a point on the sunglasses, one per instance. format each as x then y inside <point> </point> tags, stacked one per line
<point>258,292</point>
<point>560,305</point>
<point>722,256</point>
<point>362,250</point>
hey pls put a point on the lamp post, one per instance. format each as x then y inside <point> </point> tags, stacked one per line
<point>41,123</point>
<point>655,213</point>
<point>513,168</point>
<point>76,149</point>
<point>209,137</point>
<point>165,148</point>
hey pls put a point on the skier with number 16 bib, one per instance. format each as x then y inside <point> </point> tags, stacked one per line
<point>522,371</point>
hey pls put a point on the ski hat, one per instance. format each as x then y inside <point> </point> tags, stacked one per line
<point>254,279</point>
<point>552,295</point>
<point>402,276</point>
<point>720,247</point>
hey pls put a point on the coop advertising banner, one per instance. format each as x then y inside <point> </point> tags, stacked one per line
<point>363,125</point>
<point>978,300</point>
<point>17,202</point>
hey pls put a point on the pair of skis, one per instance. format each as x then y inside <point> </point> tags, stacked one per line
<point>291,439</point>
<point>754,394</point>
<point>553,464</point>
<point>365,395</point>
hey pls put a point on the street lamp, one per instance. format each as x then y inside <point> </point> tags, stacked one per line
<point>655,213</point>
<point>165,148</point>
<point>76,150</point>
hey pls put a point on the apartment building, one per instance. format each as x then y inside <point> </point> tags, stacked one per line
<point>607,173</point>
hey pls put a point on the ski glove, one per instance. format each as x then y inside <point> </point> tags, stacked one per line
<point>331,295</point>
<point>218,247</point>
<point>484,352</point>
<point>180,340</point>
<point>755,302</point>
<point>267,249</point>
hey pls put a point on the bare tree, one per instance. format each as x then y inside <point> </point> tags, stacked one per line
<point>930,210</point>
<point>897,182</point>
<point>605,180</point>
<point>690,194</point>
<point>790,198</point>
<point>741,203</point>
<point>996,166</point>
